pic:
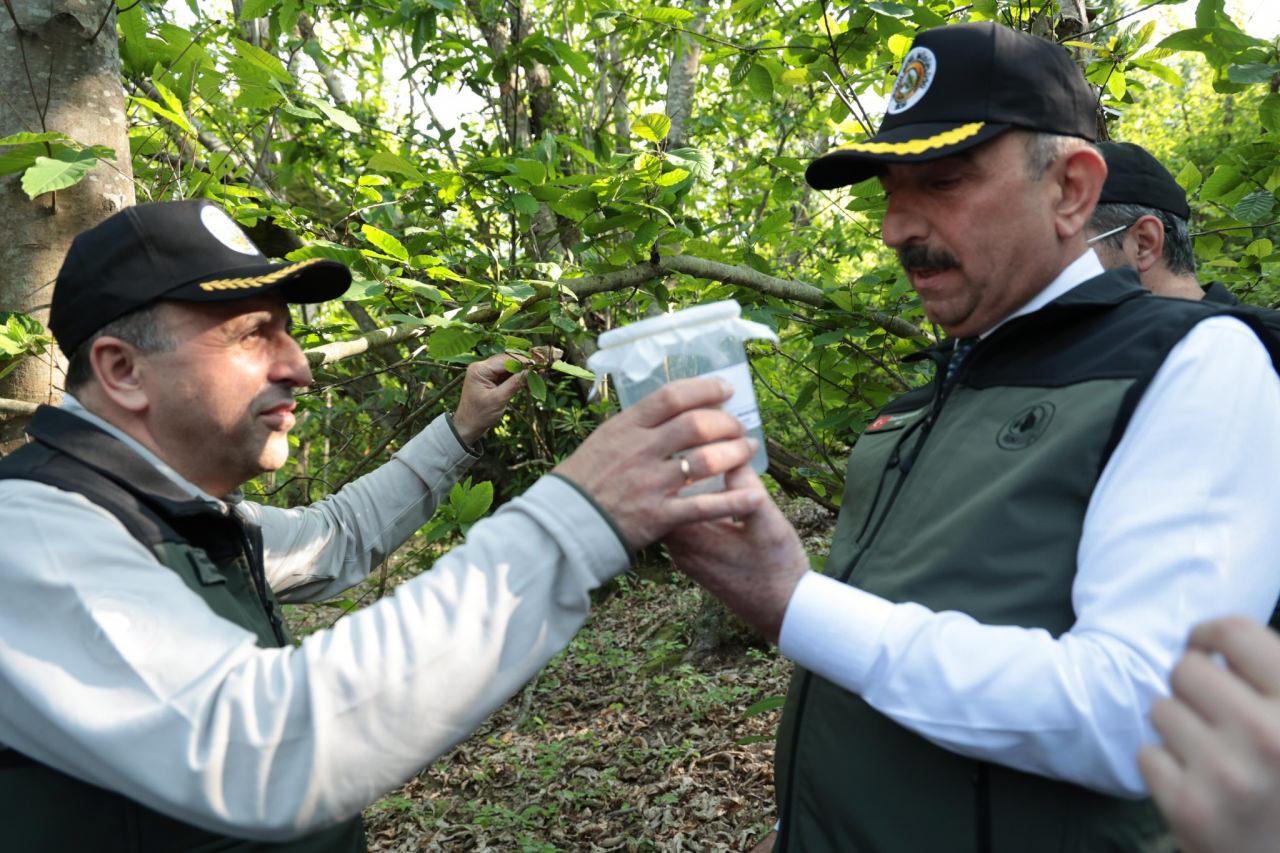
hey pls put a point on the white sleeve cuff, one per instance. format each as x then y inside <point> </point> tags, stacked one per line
<point>833,630</point>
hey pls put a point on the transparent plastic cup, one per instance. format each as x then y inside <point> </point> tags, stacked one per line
<point>705,340</point>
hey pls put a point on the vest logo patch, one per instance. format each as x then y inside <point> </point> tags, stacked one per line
<point>884,423</point>
<point>1022,430</point>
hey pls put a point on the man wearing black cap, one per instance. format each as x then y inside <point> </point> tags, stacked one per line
<point>1141,221</point>
<point>1020,552</point>
<point>150,695</point>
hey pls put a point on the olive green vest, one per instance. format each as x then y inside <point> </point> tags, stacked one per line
<point>219,557</point>
<point>974,501</point>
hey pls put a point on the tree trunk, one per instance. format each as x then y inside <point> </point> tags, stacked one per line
<point>57,77</point>
<point>682,80</point>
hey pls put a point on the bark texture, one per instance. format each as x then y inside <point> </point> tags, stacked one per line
<point>682,80</point>
<point>56,77</point>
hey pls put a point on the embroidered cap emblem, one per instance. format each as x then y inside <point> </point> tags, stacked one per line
<point>226,231</point>
<point>1022,430</point>
<point>918,71</point>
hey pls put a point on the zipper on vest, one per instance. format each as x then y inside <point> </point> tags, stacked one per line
<point>904,463</point>
<point>257,574</point>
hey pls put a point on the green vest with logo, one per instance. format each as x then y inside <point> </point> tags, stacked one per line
<point>974,501</point>
<point>219,557</point>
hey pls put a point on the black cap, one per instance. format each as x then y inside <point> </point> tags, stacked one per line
<point>959,86</point>
<point>1135,177</point>
<point>190,251</point>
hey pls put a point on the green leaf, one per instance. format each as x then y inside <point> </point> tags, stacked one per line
<point>794,77</point>
<point>28,138</point>
<point>259,58</point>
<point>765,705</point>
<point>760,81</point>
<point>525,203</point>
<point>255,9</point>
<point>1255,72</point>
<point>1254,207</point>
<point>1259,248</point>
<point>172,111</point>
<point>51,174</point>
<point>699,163</point>
<point>666,15</point>
<point>652,126</point>
<point>335,115</point>
<point>385,242</point>
<point>362,289</point>
<point>1269,112</point>
<point>20,158</point>
<point>301,112</point>
<point>385,161</point>
<point>537,386</point>
<point>572,370</point>
<point>575,205</point>
<point>670,179</point>
<point>452,341</point>
<point>893,10</point>
<point>1223,180</point>
<point>1116,85</point>
<point>475,503</point>
<point>1189,178</point>
<point>530,170</point>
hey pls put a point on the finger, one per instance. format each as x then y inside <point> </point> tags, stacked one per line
<point>1164,776</point>
<point>1215,694</point>
<point>493,368</point>
<point>694,429</point>
<point>1252,650</point>
<point>1186,735</point>
<point>713,505</point>
<point>712,459</point>
<point>679,396</point>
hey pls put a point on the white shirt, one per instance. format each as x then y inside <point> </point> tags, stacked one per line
<point>113,671</point>
<point>1183,525</point>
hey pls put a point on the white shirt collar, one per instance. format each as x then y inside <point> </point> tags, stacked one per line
<point>1076,273</point>
<point>73,406</point>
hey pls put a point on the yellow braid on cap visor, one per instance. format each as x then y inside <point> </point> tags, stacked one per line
<point>918,146</point>
<point>259,280</point>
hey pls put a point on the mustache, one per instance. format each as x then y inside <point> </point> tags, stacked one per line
<point>920,257</point>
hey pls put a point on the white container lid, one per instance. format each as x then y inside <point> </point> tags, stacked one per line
<point>712,311</point>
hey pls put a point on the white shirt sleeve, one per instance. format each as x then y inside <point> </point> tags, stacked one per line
<point>113,671</point>
<point>1183,526</point>
<point>316,552</point>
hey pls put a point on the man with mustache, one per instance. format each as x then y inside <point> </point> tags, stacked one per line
<point>1022,549</point>
<point>151,697</point>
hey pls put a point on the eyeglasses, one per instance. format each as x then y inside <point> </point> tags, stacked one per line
<point>1105,234</point>
<point>1164,224</point>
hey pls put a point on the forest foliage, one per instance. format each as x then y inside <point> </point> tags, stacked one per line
<point>622,159</point>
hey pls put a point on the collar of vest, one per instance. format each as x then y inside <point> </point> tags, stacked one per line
<point>106,454</point>
<point>1099,293</point>
<point>1217,293</point>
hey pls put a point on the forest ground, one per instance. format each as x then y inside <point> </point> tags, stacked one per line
<point>626,741</point>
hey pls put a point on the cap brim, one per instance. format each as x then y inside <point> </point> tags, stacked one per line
<point>911,143</point>
<point>312,280</point>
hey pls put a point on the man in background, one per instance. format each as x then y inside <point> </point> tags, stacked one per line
<point>1141,221</point>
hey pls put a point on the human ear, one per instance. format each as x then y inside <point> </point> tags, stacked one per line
<point>1148,234</point>
<point>116,364</point>
<point>1080,176</point>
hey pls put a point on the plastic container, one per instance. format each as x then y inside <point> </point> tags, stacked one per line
<point>705,340</point>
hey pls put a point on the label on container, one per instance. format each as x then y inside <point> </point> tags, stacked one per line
<point>742,405</point>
